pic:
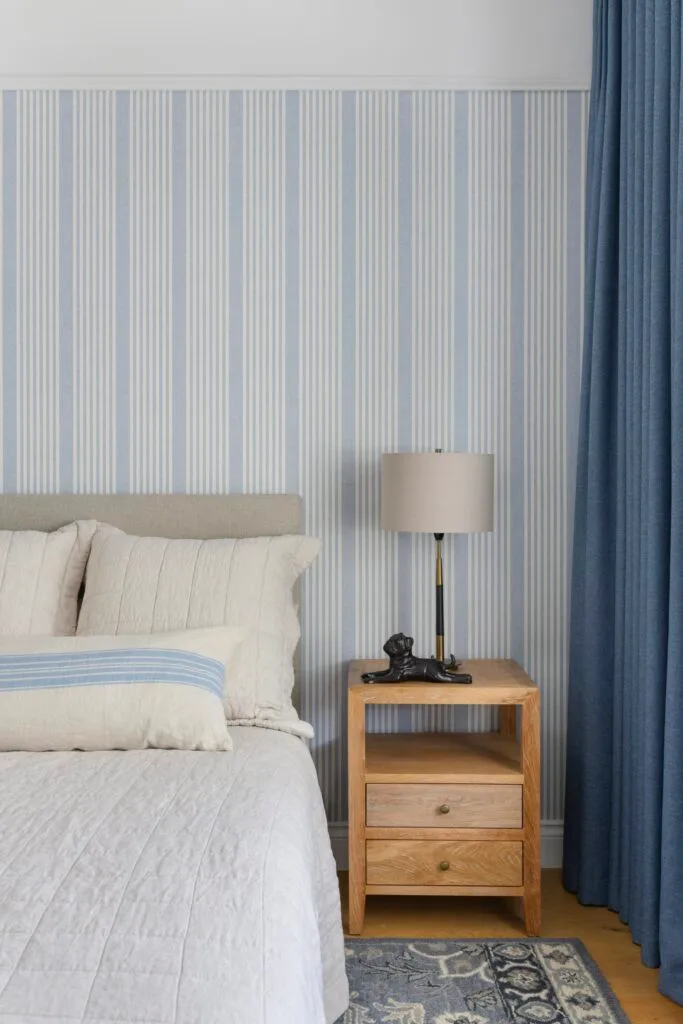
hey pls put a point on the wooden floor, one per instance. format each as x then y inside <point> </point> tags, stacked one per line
<point>607,940</point>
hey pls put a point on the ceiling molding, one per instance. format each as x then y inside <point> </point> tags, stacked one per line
<point>351,83</point>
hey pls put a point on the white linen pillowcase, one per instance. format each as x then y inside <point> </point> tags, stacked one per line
<point>41,575</point>
<point>116,693</point>
<point>152,584</point>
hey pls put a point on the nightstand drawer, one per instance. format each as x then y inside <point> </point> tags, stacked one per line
<point>443,806</point>
<point>411,862</point>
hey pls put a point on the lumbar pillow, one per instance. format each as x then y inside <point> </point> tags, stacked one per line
<point>116,693</point>
<point>151,584</point>
<point>40,578</point>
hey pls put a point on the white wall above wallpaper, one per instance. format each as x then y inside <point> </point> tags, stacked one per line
<point>262,291</point>
<point>297,43</point>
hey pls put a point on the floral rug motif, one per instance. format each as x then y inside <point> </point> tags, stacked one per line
<point>492,981</point>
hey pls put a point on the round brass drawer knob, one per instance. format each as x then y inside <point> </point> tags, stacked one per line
<point>444,809</point>
<point>444,865</point>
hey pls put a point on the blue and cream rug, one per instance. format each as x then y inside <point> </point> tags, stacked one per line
<point>525,981</point>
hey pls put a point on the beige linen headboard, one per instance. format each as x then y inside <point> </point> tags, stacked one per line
<point>199,516</point>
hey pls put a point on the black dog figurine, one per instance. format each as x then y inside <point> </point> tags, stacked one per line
<point>404,667</point>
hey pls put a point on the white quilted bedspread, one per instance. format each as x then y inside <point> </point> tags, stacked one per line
<point>168,886</point>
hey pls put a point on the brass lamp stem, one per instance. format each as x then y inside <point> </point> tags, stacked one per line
<point>439,600</point>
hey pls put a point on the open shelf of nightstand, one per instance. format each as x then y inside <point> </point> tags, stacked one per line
<point>442,757</point>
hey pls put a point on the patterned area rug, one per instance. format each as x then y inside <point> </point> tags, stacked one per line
<point>526,981</point>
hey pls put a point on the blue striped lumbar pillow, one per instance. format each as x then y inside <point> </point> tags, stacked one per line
<point>119,692</point>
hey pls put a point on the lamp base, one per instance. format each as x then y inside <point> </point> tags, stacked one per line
<point>404,667</point>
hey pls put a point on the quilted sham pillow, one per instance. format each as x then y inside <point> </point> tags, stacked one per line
<point>151,585</point>
<point>116,693</point>
<point>40,578</point>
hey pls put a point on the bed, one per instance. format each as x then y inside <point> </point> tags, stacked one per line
<point>168,886</point>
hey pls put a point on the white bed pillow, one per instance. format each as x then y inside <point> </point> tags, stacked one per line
<point>151,585</point>
<point>116,693</point>
<point>40,577</point>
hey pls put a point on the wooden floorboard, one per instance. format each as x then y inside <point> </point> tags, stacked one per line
<point>607,940</point>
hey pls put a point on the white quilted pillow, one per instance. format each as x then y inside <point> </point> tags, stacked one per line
<point>152,585</point>
<point>116,693</point>
<point>40,577</point>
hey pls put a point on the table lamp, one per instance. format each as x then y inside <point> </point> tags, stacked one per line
<point>438,492</point>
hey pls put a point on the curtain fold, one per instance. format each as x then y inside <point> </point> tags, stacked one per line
<point>624,790</point>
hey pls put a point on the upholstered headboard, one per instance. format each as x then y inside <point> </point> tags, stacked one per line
<point>198,516</point>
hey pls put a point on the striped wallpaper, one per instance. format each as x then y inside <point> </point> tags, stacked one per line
<point>262,291</point>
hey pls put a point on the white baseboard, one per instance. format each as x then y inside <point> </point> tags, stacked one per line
<point>552,838</point>
<point>552,833</point>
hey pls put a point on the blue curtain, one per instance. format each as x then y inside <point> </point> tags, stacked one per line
<point>624,791</point>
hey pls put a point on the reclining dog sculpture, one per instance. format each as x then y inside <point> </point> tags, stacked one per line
<point>404,667</point>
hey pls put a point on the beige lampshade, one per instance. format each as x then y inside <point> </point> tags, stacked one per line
<point>437,492</point>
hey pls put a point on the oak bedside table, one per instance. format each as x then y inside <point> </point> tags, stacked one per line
<point>454,814</point>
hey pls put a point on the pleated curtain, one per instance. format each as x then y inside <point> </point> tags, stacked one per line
<point>624,788</point>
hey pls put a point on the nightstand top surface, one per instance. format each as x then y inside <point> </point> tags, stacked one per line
<point>494,681</point>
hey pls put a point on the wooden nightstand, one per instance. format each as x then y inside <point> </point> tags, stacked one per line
<point>445,813</point>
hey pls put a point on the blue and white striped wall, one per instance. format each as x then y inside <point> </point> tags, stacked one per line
<point>213,291</point>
